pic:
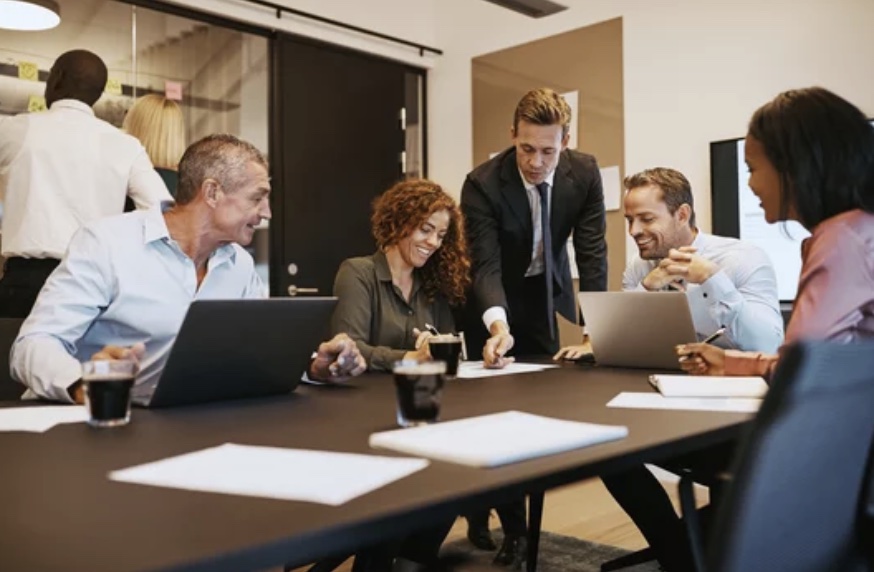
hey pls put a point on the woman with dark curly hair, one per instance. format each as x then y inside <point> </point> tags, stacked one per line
<point>419,272</point>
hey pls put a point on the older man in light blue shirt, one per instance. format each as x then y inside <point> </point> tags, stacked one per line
<point>126,282</point>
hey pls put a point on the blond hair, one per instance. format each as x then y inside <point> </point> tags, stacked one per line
<point>543,106</point>
<point>158,123</point>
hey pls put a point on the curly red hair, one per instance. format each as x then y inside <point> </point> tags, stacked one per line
<point>402,209</point>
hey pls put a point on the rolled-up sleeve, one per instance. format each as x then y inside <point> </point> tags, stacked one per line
<point>354,316</point>
<point>43,355</point>
<point>748,310</point>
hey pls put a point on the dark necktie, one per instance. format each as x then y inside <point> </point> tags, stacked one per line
<point>546,232</point>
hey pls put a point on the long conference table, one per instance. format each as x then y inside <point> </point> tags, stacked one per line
<point>59,511</point>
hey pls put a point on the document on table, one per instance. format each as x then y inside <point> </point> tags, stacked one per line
<point>271,472</point>
<point>40,418</point>
<point>474,369</point>
<point>709,385</point>
<point>496,439</point>
<point>658,401</point>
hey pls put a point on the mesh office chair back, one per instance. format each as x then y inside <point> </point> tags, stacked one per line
<point>797,497</point>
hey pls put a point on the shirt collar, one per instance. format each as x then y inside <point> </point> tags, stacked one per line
<point>155,229</point>
<point>74,104</point>
<point>531,187</point>
<point>383,272</point>
<point>380,262</point>
<point>700,240</point>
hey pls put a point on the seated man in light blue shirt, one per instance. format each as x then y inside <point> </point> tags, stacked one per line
<point>125,283</point>
<point>730,284</point>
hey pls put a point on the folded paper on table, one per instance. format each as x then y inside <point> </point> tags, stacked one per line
<point>40,419</point>
<point>658,401</point>
<point>474,369</point>
<point>272,472</point>
<point>496,439</point>
<point>708,386</point>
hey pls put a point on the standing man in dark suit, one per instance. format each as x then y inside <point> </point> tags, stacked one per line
<point>524,203</point>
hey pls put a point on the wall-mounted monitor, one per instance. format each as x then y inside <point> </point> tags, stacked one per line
<point>737,212</point>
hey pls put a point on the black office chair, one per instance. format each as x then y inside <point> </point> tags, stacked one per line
<point>9,388</point>
<point>797,499</point>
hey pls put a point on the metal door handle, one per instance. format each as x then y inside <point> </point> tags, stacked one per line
<point>294,290</point>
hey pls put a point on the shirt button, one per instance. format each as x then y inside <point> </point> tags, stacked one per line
<point>410,312</point>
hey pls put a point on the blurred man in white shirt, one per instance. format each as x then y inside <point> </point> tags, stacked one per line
<point>59,170</point>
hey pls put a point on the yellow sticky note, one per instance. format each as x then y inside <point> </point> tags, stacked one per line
<point>28,71</point>
<point>113,86</point>
<point>36,103</point>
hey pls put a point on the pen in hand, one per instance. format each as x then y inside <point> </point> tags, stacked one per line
<point>714,336</point>
<point>431,329</point>
<point>709,339</point>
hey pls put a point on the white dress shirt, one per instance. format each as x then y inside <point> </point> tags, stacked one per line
<point>63,168</point>
<point>741,296</point>
<point>536,267</point>
<point>122,281</point>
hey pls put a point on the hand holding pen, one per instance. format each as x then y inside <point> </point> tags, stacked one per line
<point>703,358</point>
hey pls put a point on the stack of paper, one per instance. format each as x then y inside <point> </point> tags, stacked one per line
<point>474,369</point>
<point>631,400</point>
<point>40,419</point>
<point>496,439</point>
<point>708,386</point>
<point>270,472</point>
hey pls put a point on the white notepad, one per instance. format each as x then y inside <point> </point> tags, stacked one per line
<point>496,439</point>
<point>708,386</point>
<point>650,400</point>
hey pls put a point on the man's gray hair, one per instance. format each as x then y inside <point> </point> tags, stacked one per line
<point>222,157</point>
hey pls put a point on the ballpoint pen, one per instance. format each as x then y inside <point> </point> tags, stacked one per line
<point>714,336</point>
<point>709,339</point>
<point>431,329</point>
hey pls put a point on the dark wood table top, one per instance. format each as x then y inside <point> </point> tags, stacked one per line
<point>59,511</point>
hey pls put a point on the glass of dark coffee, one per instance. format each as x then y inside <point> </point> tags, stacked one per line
<point>419,389</point>
<point>107,387</point>
<point>447,347</point>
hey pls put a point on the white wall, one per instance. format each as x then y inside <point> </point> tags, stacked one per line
<point>695,70</point>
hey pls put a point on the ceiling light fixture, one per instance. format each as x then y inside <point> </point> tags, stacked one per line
<point>29,14</point>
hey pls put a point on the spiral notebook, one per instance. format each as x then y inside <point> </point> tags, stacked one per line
<point>708,385</point>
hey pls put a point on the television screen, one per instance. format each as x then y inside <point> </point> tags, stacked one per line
<point>737,212</point>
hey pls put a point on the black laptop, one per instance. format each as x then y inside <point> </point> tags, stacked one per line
<point>234,349</point>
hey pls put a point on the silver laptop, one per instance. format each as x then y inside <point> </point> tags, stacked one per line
<point>234,349</point>
<point>637,329</point>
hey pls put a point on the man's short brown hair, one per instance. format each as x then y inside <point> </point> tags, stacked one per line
<point>543,106</point>
<point>675,187</point>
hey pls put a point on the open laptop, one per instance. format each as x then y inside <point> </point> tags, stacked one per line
<point>233,349</point>
<point>637,329</point>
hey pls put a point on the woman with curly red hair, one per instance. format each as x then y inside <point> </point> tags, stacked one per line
<point>419,272</point>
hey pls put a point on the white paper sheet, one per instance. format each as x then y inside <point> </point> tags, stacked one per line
<point>474,369</point>
<point>39,419</point>
<point>709,385</point>
<point>496,439</point>
<point>271,472</point>
<point>611,181</point>
<point>658,401</point>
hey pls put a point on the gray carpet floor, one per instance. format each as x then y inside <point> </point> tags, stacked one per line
<point>558,553</point>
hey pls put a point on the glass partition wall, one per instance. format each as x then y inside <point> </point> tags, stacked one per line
<point>218,75</point>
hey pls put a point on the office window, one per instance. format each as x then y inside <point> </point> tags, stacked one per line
<point>218,75</point>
